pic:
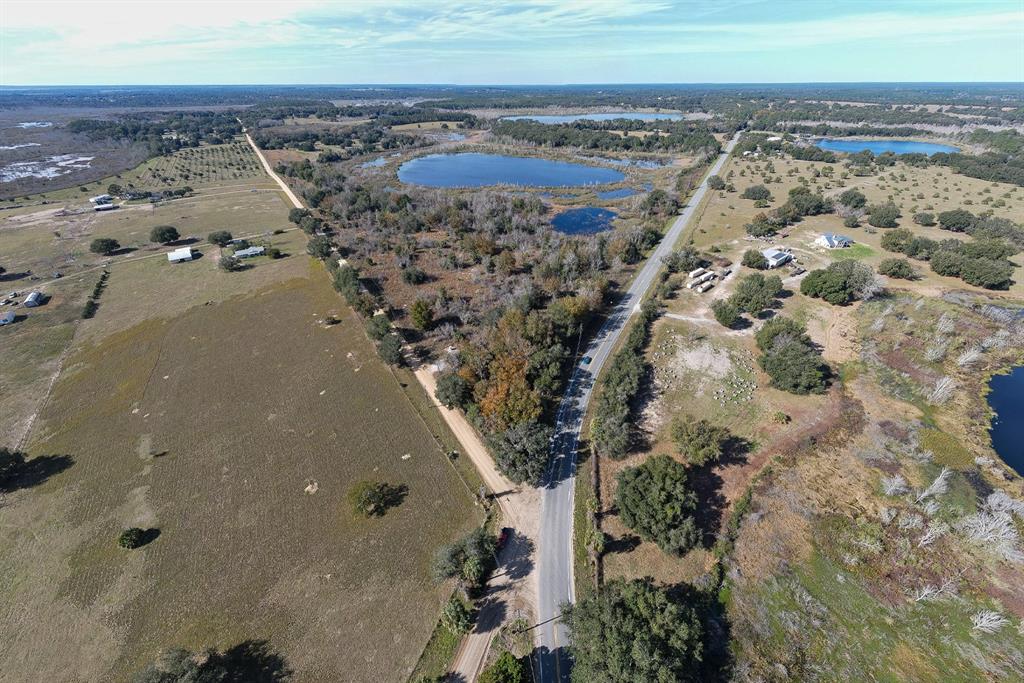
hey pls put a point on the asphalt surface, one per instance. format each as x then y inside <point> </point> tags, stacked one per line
<point>555,561</point>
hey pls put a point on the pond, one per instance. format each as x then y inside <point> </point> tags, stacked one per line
<point>852,146</point>
<point>1006,399</point>
<point>584,221</point>
<point>569,118</point>
<point>473,169</point>
<point>620,193</point>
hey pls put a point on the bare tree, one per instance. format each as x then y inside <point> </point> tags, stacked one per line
<point>988,621</point>
<point>969,357</point>
<point>943,391</point>
<point>895,485</point>
<point>939,486</point>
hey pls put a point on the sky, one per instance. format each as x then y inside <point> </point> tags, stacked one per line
<point>48,42</point>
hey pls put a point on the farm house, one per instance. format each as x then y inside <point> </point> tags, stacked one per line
<point>777,257</point>
<point>249,252</point>
<point>830,240</point>
<point>34,299</point>
<point>179,255</point>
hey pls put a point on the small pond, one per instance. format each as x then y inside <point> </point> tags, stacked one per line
<point>473,169</point>
<point>620,193</point>
<point>569,118</point>
<point>587,220</point>
<point>852,146</point>
<point>1006,399</point>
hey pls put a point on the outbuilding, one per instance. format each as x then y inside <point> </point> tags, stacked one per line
<point>101,199</point>
<point>179,255</point>
<point>104,207</point>
<point>249,252</point>
<point>776,257</point>
<point>34,299</point>
<point>6,318</point>
<point>831,240</point>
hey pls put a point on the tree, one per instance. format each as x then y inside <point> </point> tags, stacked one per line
<point>320,247</point>
<point>841,282</point>
<point>757,192</point>
<point>452,390</point>
<point>752,258</point>
<point>851,221</point>
<point>104,245</point>
<point>468,560</point>
<point>412,275</point>
<point>422,314</point>
<point>251,660</point>
<point>505,669</point>
<point>699,441</point>
<point>114,189</point>
<point>634,632</point>
<point>987,273</point>
<point>756,292</point>
<point>132,538</point>
<point>726,312</point>
<point>164,234</point>
<point>777,327</point>
<point>716,182</point>
<point>456,616</point>
<point>899,268</point>
<point>521,452</point>
<point>795,367</point>
<point>390,349</point>
<point>957,220</point>
<point>378,327</point>
<point>853,199</point>
<point>373,499</point>
<point>296,215</point>
<point>230,264</point>
<point>924,218</point>
<point>654,500</point>
<point>761,226</point>
<point>883,215</point>
<point>221,238</point>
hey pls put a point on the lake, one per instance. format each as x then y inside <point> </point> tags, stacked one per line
<point>570,118</point>
<point>852,146</point>
<point>473,169</point>
<point>584,221</point>
<point>1006,399</point>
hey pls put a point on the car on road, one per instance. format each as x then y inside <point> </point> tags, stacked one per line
<point>586,360</point>
<point>503,536</point>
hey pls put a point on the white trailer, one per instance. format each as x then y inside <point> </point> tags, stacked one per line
<point>697,273</point>
<point>700,289</point>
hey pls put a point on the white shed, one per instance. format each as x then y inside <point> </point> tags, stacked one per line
<point>34,299</point>
<point>777,257</point>
<point>179,255</point>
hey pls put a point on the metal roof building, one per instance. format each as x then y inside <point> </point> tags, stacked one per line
<point>179,255</point>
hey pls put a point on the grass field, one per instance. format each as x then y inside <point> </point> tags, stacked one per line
<point>217,436</point>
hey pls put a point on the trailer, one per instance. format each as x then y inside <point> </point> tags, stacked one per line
<point>697,273</point>
<point>700,289</point>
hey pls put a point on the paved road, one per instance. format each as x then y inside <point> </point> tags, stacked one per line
<point>555,565</point>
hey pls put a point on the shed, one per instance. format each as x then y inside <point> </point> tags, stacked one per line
<point>34,299</point>
<point>6,318</point>
<point>776,257</point>
<point>249,252</point>
<point>831,240</point>
<point>104,207</point>
<point>100,199</point>
<point>179,255</point>
<point>697,273</point>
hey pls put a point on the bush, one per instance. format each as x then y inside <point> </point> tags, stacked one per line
<point>699,441</point>
<point>853,199</point>
<point>897,240</point>
<point>840,283</point>
<point>635,631</point>
<point>883,215</point>
<point>957,220</point>
<point>505,669</point>
<point>230,264</point>
<point>899,268</point>
<point>373,499</point>
<point>716,182</point>
<point>684,260</point>
<point>164,234</point>
<point>987,273</point>
<point>521,452</point>
<point>947,262</point>
<point>924,218</point>
<point>756,292</point>
<point>104,245</point>
<point>390,349</point>
<point>777,327</point>
<point>132,538</point>
<point>221,238</point>
<point>320,247</point>
<point>795,367</point>
<point>757,192</point>
<point>378,327</point>
<point>851,221</point>
<point>422,314</point>
<point>456,616</point>
<point>413,276</point>
<point>468,560</point>
<point>752,258</point>
<point>452,390</point>
<point>654,500</point>
<point>296,215</point>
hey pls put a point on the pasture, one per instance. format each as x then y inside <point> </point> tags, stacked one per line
<point>235,429</point>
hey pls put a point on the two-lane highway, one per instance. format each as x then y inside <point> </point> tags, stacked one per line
<point>555,562</point>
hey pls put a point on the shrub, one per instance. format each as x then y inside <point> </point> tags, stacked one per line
<point>521,452</point>
<point>452,390</point>
<point>505,669</point>
<point>320,247</point>
<point>699,441</point>
<point>456,616</point>
<point>104,245</point>
<point>756,292</point>
<point>296,215</point>
<point>378,327</point>
<point>776,327</point>
<point>851,221</point>
<point>132,538</point>
<point>947,262</point>
<point>752,258</point>
<point>726,312</point>
<point>883,215</point>
<point>373,499</point>
<point>413,276</point>
<point>957,220</point>
<point>221,238</point>
<point>794,367</point>
<point>230,264</point>
<point>841,282</point>
<point>716,182</point>
<point>899,268</point>
<point>853,199</point>
<point>468,560</point>
<point>897,240</point>
<point>757,192</point>
<point>390,349</point>
<point>924,218</point>
<point>422,314</point>
<point>987,273</point>
<point>164,234</point>
<point>654,500</point>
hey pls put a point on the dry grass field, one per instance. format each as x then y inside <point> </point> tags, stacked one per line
<point>236,430</point>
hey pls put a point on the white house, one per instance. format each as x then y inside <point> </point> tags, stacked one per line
<point>833,241</point>
<point>249,252</point>
<point>179,255</point>
<point>33,299</point>
<point>776,257</point>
